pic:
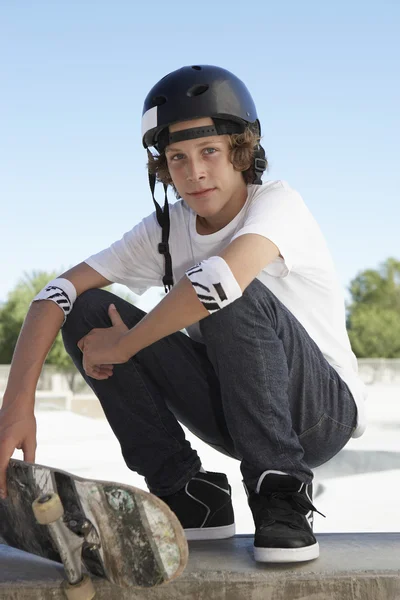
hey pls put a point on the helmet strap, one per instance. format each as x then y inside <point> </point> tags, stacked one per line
<point>259,163</point>
<point>163,221</point>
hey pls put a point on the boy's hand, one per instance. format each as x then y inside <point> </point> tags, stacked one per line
<point>103,348</point>
<point>17,431</point>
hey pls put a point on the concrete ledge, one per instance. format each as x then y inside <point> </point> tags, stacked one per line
<point>350,567</point>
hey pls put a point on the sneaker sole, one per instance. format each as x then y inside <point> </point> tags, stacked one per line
<point>210,533</point>
<point>280,555</point>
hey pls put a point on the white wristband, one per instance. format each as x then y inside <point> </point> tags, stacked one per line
<point>214,283</point>
<point>62,292</point>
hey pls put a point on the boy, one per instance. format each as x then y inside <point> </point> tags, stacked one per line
<point>266,375</point>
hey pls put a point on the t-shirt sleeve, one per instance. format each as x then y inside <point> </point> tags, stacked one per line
<point>133,260</point>
<point>281,216</point>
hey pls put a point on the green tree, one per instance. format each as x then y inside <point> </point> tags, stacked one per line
<point>12,315</point>
<point>373,316</point>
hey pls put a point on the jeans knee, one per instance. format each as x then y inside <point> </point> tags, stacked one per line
<point>243,312</point>
<point>91,298</point>
<point>78,321</point>
<point>90,311</point>
<point>256,292</point>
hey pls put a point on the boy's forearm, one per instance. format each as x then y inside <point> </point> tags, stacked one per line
<point>40,328</point>
<point>179,309</point>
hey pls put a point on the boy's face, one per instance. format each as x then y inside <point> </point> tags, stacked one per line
<point>203,165</point>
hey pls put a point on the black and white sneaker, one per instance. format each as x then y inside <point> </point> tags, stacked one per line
<point>204,507</point>
<point>283,515</point>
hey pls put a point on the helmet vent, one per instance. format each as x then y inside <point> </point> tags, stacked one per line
<point>197,90</point>
<point>196,68</point>
<point>159,100</point>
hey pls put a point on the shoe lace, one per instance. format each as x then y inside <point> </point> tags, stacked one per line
<point>285,507</point>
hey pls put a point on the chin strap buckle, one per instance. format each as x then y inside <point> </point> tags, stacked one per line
<point>260,164</point>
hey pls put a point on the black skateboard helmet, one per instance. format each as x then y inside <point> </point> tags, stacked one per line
<point>195,92</point>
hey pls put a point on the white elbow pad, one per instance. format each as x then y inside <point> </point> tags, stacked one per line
<point>214,283</point>
<point>62,292</point>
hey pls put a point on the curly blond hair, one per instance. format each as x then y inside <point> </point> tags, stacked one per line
<point>241,154</point>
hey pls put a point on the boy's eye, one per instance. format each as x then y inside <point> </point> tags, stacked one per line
<point>177,157</point>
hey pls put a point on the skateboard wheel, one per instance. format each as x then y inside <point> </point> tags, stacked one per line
<point>84,590</point>
<point>47,508</point>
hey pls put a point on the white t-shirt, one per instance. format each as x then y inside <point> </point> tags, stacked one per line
<point>304,280</point>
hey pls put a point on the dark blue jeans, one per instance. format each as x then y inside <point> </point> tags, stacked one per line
<point>258,389</point>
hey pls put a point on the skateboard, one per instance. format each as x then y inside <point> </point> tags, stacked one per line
<point>118,532</point>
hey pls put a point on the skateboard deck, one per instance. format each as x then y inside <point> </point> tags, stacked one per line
<point>130,537</point>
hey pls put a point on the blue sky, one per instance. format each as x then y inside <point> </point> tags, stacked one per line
<point>73,77</point>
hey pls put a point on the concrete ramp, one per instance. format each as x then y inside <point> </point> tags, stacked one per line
<point>351,567</point>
